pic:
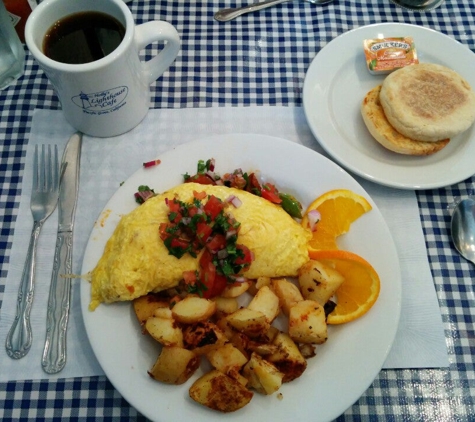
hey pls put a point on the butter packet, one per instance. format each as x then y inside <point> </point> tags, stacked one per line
<point>384,55</point>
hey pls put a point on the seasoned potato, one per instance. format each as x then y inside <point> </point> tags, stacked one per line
<point>225,305</point>
<point>145,306</point>
<point>203,337</point>
<point>165,331</point>
<point>220,392</point>
<point>175,365</point>
<point>263,376</point>
<point>236,289</point>
<point>307,350</point>
<point>287,292</point>
<point>267,302</point>
<point>163,313</point>
<point>307,322</point>
<point>241,342</point>
<point>319,281</point>
<point>250,322</point>
<point>227,358</point>
<point>225,327</point>
<point>260,282</point>
<point>287,358</point>
<point>193,309</point>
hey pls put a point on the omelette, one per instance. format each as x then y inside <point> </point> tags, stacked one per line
<point>136,261</point>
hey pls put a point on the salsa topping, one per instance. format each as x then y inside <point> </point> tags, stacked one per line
<point>249,182</point>
<point>197,226</point>
<point>143,193</point>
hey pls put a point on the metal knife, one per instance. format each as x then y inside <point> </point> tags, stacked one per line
<point>54,353</point>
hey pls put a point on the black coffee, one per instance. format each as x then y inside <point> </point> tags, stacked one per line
<point>83,37</point>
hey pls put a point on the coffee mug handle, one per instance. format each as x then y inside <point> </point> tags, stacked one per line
<point>149,32</point>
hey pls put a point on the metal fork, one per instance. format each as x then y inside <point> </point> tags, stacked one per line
<point>44,197</point>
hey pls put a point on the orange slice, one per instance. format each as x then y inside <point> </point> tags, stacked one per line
<point>338,209</point>
<point>361,287</point>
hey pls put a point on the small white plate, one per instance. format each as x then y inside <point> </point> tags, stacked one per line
<point>345,365</point>
<point>336,84</point>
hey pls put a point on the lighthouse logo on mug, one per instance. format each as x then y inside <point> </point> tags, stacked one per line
<point>101,102</point>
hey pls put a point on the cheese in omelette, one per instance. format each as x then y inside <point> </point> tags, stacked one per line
<point>136,261</point>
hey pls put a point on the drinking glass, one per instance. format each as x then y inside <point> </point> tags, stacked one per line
<point>12,54</point>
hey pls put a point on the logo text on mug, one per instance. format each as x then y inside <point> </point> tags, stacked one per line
<point>103,101</point>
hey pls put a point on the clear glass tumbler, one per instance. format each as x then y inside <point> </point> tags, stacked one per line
<point>12,54</point>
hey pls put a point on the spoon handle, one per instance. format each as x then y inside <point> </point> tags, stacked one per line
<point>225,15</point>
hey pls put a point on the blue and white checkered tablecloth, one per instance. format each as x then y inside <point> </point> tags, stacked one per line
<point>260,59</point>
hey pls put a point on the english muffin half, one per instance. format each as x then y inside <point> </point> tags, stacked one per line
<point>428,102</point>
<point>380,128</point>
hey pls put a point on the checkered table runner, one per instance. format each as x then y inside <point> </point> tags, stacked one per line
<point>260,59</point>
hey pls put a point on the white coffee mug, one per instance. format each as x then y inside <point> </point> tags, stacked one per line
<point>109,96</point>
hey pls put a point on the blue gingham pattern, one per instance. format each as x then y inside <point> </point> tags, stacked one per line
<point>260,59</point>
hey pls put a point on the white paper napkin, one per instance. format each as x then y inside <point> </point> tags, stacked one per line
<point>105,163</point>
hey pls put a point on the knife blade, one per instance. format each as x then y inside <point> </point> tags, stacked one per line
<point>54,353</point>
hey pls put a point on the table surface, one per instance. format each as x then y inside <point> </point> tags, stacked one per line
<point>260,59</point>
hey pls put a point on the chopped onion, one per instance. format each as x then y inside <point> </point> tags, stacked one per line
<point>144,195</point>
<point>313,218</point>
<point>230,233</point>
<point>222,254</point>
<point>212,175</point>
<point>239,279</point>
<point>234,200</point>
<point>186,220</point>
<point>212,162</point>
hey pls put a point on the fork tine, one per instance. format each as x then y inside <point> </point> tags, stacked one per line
<point>35,169</point>
<point>42,173</point>
<point>56,168</point>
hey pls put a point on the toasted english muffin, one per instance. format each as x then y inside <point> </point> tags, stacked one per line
<point>380,128</point>
<point>428,102</point>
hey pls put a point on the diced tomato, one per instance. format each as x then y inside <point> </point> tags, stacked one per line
<point>217,288</point>
<point>174,205</point>
<point>202,179</point>
<point>206,258</point>
<point>192,211</point>
<point>199,195</point>
<point>254,186</point>
<point>203,231</point>
<point>162,229</point>
<point>216,243</point>
<point>177,218</point>
<point>179,243</point>
<point>247,258</point>
<point>270,192</point>
<point>213,207</point>
<point>189,277</point>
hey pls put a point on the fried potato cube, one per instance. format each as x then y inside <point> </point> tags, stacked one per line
<point>175,365</point>
<point>319,281</point>
<point>225,327</point>
<point>267,302</point>
<point>260,282</point>
<point>236,289</point>
<point>227,359</point>
<point>145,306</point>
<point>307,322</point>
<point>225,305</point>
<point>193,309</point>
<point>165,331</point>
<point>220,392</point>
<point>287,358</point>
<point>203,337</point>
<point>249,321</point>
<point>263,376</point>
<point>287,292</point>
<point>163,313</point>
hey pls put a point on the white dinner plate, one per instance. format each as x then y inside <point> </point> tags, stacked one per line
<point>336,84</point>
<point>345,365</point>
